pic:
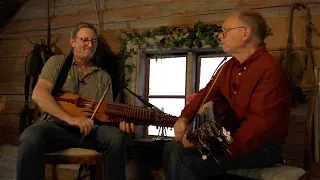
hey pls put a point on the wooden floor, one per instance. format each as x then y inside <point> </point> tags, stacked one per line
<point>69,172</point>
<point>8,159</point>
<point>134,171</point>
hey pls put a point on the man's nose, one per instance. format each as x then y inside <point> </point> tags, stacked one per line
<point>90,44</point>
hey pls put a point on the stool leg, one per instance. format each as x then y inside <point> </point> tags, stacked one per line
<point>54,172</point>
<point>98,169</point>
<point>92,171</point>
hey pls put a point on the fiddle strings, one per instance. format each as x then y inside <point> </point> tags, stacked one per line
<point>92,101</point>
<point>97,108</point>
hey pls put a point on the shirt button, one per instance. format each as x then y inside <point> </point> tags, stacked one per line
<point>239,74</point>
<point>244,68</point>
<point>235,92</point>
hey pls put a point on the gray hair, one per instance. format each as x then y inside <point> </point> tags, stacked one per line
<point>256,21</point>
<point>79,26</point>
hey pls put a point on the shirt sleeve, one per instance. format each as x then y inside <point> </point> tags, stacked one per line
<point>51,68</point>
<point>267,115</point>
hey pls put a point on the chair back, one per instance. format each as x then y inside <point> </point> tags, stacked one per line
<point>298,148</point>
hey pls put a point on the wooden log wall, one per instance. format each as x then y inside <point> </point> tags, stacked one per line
<point>31,22</point>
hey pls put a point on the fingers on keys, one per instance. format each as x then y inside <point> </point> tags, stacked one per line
<point>126,127</point>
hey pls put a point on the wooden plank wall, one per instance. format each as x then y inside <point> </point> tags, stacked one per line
<point>31,22</point>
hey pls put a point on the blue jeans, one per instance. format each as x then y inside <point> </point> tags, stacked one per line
<point>180,163</point>
<point>54,135</point>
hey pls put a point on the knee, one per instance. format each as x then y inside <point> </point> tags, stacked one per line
<point>111,137</point>
<point>169,146</point>
<point>31,137</point>
<point>176,151</point>
<point>167,149</point>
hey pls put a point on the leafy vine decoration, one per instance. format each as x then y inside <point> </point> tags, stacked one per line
<point>171,37</point>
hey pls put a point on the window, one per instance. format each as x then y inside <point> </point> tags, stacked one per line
<point>208,66</point>
<point>167,82</point>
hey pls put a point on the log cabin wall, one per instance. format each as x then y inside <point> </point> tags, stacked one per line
<point>31,22</point>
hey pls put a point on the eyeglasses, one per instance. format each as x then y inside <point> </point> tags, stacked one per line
<point>224,31</point>
<point>86,40</point>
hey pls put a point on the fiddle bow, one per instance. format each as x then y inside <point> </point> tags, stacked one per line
<point>98,107</point>
<point>99,104</point>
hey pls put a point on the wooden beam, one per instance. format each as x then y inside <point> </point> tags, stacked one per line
<point>12,78</point>
<point>13,89</point>
<point>20,46</point>
<point>12,63</point>
<point>151,16</point>
<point>9,138</point>
<point>14,107</point>
<point>135,8</point>
<point>13,98</point>
<point>63,7</point>
<point>9,123</point>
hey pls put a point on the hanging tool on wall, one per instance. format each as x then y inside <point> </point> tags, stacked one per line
<point>49,23</point>
<point>300,71</point>
<point>34,63</point>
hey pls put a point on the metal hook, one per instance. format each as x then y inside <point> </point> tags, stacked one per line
<point>43,41</point>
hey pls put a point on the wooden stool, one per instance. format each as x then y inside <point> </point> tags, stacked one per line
<point>75,156</point>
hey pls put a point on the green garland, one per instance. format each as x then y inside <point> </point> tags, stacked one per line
<point>170,37</point>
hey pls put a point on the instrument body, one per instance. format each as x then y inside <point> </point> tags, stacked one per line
<point>113,112</point>
<point>211,129</point>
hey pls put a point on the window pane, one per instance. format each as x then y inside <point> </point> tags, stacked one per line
<point>172,106</point>
<point>167,76</point>
<point>207,68</point>
<point>155,131</point>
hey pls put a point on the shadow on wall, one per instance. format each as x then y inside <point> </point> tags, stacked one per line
<point>113,64</point>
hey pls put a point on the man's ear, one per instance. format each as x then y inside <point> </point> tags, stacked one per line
<point>72,42</point>
<point>247,33</point>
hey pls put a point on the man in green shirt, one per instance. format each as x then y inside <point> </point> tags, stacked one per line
<point>60,130</point>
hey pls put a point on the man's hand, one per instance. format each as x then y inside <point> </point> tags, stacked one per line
<point>126,127</point>
<point>180,128</point>
<point>85,124</point>
<point>186,143</point>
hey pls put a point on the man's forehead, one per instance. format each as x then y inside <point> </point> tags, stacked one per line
<point>231,22</point>
<point>87,32</point>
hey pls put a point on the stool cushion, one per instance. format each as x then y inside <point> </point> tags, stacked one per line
<point>75,152</point>
<point>277,172</point>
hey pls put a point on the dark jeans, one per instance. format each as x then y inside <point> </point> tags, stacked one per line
<point>54,135</point>
<point>180,163</point>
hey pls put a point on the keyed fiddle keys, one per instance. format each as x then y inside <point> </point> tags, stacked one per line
<point>113,112</point>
